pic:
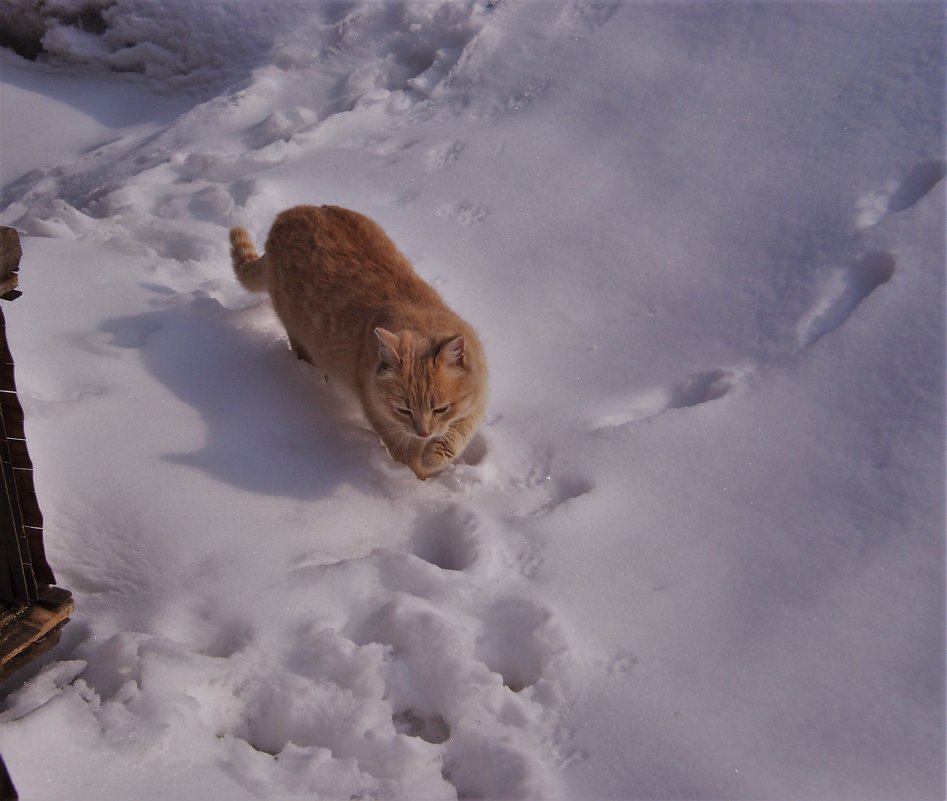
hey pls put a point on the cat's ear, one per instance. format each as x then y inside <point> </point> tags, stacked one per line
<point>452,353</point>
<point>388,359</point>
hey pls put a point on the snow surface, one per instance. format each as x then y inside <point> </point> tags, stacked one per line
<point>697,550</point>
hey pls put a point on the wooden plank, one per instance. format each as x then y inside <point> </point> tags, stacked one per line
<point>52,608</point>
<point>10,251</point>
<point>12,414</point>
<point>19,453</point>
<point>24,526</point>
<point>8,614</point>
<point>27,655</point>
<point>8,287</point>
<point>7,790</point>
<point>55,597</point>
<point>42,572</point>
<point>12,576</point>
<point>29,505</point>
<point>27,492</point>
<point>16,581</point>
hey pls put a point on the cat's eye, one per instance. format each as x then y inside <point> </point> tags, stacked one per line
<point>441,409</point>
<point>402,410</point>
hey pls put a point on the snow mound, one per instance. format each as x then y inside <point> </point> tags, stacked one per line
<point>184,43</point>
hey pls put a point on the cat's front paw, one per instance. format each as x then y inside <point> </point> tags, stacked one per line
<point>436,456</point>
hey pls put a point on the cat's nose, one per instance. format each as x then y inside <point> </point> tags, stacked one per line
<point>421,430</point>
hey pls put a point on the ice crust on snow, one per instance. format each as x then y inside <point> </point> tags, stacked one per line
<point>697,549</point>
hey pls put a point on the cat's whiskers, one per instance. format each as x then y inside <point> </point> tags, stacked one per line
<point>402,439</point>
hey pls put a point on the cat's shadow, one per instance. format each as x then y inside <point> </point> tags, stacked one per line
<point>271,424</point>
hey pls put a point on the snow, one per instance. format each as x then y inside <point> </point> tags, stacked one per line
<point>697,550</point>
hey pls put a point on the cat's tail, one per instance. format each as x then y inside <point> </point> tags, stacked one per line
<point>249,267</point>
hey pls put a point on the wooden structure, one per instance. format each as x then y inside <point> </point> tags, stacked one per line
<point>32,610</point>
<point>7,790</point>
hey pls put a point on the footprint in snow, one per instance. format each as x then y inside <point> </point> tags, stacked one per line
<point>396,691</point>
<point>389,150</point>
<point>133,332</point>
<point>877,206</point>
<point>414,723</point>
<point>518,642</point>
<point>423,49</point>
<point>696,389</point>
<point>227,167</point>
<point>582,17</point>
<point>466,213</point>
<point>558,492</point>
<point>279,126</point>
<point>243,189</point>
<point>437,158</point>
<point>845,291</point>
<point>212,204</point>
<point>449,538</point>
<point>541,490</point>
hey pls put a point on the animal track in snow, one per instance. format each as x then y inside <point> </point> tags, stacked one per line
<point>696,389</point>
<point>213,204</point>
<point>620,664</point>
<point>876,206</point>
<point>845,291</point>
<point>228,167</point>
<point>701,388</point>
<point>585,16</point>
<point>443,155</point>
<point>430,728</point>
<point>448,538</point>
<point>516,620</point>
<point>541,490</point>
<point>419,47</point>
<point>560,491</point>
<point>471,684</point>
<point>243,189</point>
<point>390,148</point>
<point>466,213</point>
<point>135,331</point>
<point>389,694</point>
<point>279,126</point>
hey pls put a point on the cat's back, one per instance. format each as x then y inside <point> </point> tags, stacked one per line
<point>343,249</point>
<point>331,229</point>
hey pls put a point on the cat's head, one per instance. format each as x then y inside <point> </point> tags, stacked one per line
<point>422,383</point>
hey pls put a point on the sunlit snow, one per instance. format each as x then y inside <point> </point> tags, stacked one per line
<point>697,550</point>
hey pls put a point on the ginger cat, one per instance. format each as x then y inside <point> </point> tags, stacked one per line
<point>353,306</point>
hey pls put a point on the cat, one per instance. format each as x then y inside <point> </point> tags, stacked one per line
<point>353,306</point>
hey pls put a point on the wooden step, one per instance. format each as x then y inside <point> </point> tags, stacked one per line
<point>26,635</point>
